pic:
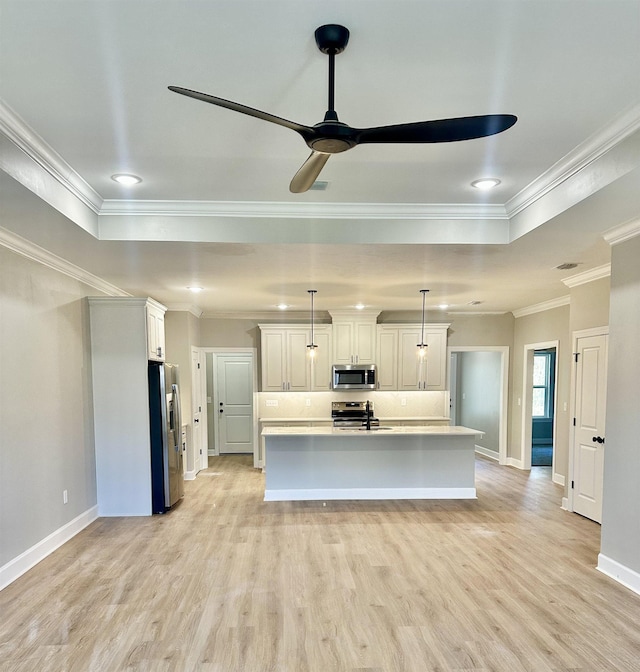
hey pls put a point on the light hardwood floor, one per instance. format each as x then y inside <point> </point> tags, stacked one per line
<point>227,582</point>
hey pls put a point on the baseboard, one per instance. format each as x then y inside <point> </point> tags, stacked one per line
<point>629,578</point>
<point>513,462</point>
<point>565,504</point>
<point>485,452</point>
<point>32,556</point>
<point>190,475</point>
<point>558,479</point>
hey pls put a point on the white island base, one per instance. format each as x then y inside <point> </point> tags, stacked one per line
<point>323,463</point>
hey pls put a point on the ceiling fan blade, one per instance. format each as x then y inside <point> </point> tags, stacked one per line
<point>244,109</point>
<point>440,130</point>
<point>308,172</point>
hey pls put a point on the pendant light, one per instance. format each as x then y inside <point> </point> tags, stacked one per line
<point>312,346</point>
<point>422,346</point>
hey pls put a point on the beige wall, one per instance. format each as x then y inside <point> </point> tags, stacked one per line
<point>182,331</point>
<point>231,333</point>
<point>590,305</point>
<point>621,501</point>
<point>46,415</point>
<point>550,325</point>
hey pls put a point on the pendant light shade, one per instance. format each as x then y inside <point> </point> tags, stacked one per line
<point>312,346</point>
<point>422,346</point>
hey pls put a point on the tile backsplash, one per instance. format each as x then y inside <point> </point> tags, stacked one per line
<point>317,405</point>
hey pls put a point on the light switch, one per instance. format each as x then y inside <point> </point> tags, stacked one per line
<point>271,402</point>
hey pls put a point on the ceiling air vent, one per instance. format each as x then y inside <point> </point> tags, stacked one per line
<point>567,266</point>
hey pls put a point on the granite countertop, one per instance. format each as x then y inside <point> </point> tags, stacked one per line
<point>430,430</point>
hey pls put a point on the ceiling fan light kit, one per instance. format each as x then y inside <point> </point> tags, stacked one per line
<point>331,136</point>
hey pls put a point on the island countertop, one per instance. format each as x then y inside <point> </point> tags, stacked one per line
<point>423,430</point>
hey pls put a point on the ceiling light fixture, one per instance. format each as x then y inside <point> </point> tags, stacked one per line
<point>312,346</point>
<point>443,306</point>
<point>282,306</point>
<point>195,290</point>
<point>359,306</point>
<point>422,346</point>
<point>126,179</point>
<point>485,183</point>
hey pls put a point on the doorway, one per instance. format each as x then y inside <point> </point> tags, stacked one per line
<point>543,407</point>
<point>478,382</point>
<point>540,395</point>
<point>231,410</point>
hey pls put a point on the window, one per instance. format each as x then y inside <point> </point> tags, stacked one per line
<point>542,393</point>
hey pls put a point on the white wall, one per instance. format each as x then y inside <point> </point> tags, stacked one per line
<point>46,437</point>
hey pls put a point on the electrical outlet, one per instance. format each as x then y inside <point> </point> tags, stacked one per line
<point>403,402</point>
<point>271,402</point>
<point>65,497</point>
<point>308,402</point>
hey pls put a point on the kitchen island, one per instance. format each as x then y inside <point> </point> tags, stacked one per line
<point>323,463</point>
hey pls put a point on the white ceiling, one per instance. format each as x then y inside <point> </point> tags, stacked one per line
<point>83,87</point>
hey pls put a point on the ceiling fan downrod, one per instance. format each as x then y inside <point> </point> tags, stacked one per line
<point>332,39</point>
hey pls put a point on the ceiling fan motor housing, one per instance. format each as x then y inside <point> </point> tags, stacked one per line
<point>332,38</point>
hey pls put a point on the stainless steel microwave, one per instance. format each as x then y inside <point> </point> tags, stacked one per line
<point>354,377</point>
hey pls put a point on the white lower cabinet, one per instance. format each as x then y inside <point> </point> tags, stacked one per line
<point>400,366</point>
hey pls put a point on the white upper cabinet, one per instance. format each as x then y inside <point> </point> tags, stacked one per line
<point>155,330</point>
<point>354,336</point>
<point>286,364</point>
<point>400,366</point>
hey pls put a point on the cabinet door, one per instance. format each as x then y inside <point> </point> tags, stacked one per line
<point>435,365</point>
<point>343,338</point>
<point>387,359</point>
<point>365,342</point>
<point>298,367</point>
<point>273,348</point>
<point>409,360</point>
<point>321,363</point>
<point>155,334</point>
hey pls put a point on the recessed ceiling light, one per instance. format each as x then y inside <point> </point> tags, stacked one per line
<point>443,306</point>
<point>485,183</point>
<point>474,303</point>
<point>567,266</point>
<point>195,290</point>
<point>359,306</point>
<point>282,306</point>
<point>126,179</point>
<point>319,185</point>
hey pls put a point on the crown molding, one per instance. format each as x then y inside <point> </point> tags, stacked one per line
<point>587,152</point>
<point>541,307</point>
<point>26,248</point>
<point>588,276</point>
<point>185,308</point>
<point>626,231</point>
<point>287,210</point>
<point>27,140</point>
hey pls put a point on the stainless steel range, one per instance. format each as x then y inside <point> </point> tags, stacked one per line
<point>353,414</point>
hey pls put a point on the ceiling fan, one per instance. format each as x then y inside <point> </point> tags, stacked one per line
<point>332,136</point>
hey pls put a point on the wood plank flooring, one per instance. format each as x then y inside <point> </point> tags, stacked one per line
<point>227,582</point>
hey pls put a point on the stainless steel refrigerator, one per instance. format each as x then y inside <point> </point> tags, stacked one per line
<point>167,479</point>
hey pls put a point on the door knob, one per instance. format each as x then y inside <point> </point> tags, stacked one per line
<point>599,439</point>
<point>196,420</point>
<point>221,411</point>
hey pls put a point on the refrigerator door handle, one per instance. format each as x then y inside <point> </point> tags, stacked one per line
<point>177,416</point>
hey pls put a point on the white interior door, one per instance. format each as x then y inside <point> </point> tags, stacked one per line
<point>235,403</point>
<point>588,449</point>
